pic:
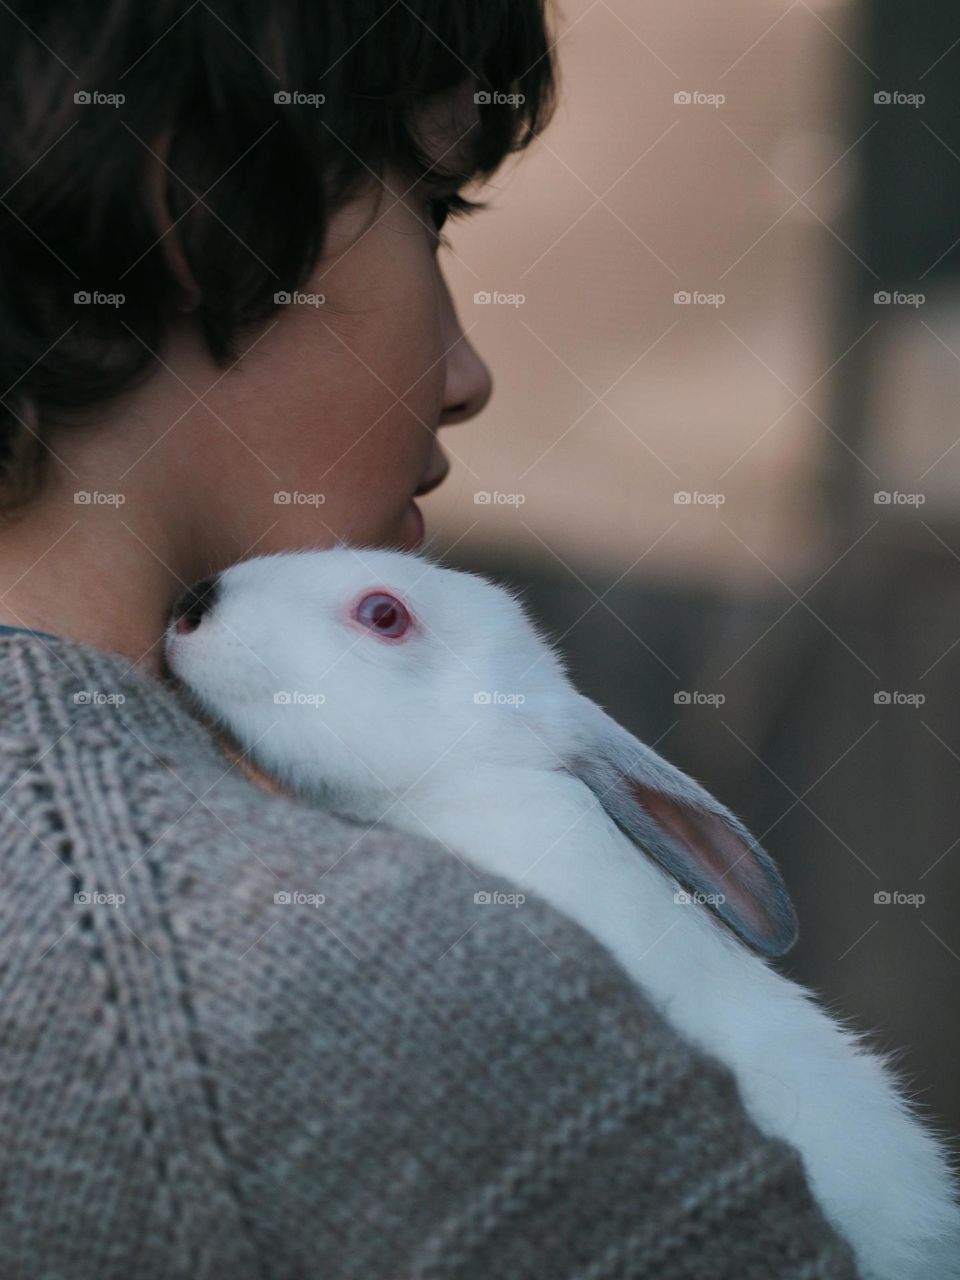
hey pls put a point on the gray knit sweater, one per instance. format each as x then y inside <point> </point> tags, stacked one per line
<point>243,1039</point>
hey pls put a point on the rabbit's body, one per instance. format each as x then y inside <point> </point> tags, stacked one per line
<point>877,1173</point>
<point>464,728</point>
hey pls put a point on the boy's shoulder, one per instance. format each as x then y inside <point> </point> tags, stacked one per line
<point>146,839</point>
<point>250,1038</point>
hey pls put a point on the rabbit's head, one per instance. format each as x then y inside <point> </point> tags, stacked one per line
<point>367,667</point>
<point>357,674</point>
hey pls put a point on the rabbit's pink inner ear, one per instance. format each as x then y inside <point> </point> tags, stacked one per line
<point>720,858</point>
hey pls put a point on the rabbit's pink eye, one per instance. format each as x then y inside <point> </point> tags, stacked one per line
<point>383,614</point>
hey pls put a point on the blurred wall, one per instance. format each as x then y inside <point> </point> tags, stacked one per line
<point>611,397</point>
<point>820,620</point>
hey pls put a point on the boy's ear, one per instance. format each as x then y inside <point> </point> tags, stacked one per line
<point>678,824</point>
<point>170,243</point>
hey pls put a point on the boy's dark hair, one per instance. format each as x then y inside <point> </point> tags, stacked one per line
<point>250,179</point>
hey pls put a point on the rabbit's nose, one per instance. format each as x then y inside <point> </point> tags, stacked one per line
<point>195,604</point>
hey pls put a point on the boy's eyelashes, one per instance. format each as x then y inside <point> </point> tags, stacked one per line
<point>452,205</point>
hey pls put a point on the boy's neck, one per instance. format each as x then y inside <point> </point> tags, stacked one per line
<point>93,579</point>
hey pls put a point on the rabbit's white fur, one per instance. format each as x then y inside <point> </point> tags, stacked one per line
<point>401,737</point>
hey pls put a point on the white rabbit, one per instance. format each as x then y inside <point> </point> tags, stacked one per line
<point>387,688</point>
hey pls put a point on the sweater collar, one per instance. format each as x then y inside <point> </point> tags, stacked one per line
<point>25,631</point>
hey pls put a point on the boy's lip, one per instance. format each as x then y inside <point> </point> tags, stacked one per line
<point>433,479</point>
<point>416,540</point>
<point>414,525</point>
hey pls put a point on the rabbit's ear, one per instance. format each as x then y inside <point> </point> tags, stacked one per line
<point>689,833</point>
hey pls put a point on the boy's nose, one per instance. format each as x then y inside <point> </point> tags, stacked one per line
<point>469,383</point>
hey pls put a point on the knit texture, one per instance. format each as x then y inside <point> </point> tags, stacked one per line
<point>369,1076</point>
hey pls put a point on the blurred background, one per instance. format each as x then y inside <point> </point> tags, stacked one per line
<point>722,462</point>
